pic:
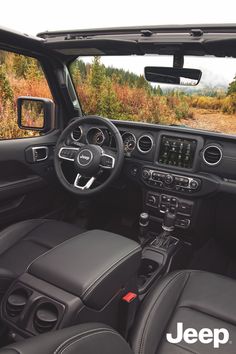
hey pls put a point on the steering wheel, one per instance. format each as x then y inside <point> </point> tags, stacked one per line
<point>88,160</point>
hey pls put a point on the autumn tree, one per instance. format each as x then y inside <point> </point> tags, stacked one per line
<point>6,92</point>
<point>232,87</point>
<point>109,105</point>
<point>97,73</point>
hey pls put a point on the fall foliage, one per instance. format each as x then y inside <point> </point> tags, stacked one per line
<point>113,93</point>
<point>119,94</point>
<point>19,76</point>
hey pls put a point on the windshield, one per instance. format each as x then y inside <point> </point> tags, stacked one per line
<point>115,87</point>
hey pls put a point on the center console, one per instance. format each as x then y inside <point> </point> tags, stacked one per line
<point>162,251</point>
<point>81,280</point>
<point>158,204</point>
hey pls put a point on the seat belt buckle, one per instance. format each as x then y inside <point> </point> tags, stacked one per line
<point>128,307</point>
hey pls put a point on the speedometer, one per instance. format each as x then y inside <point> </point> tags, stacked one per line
<point>129,141</point>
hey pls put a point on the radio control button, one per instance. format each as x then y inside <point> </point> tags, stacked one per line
<point>146,174</point>
<point>194,184</point>
<point>185,182</point>
<point>169,179</point>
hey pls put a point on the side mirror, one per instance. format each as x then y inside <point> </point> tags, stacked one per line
<point>35,113</point>
<point>173,76</point>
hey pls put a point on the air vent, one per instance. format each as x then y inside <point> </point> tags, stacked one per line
<point>76,134</point>
<point>212,155</point>
<point>16,302</point>
<point>45,318</point>
<point>145,144</point>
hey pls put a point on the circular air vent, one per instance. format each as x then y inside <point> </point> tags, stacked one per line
<point>145,144</point>
<point>76,134</point>
<point>45,318</point>
<point>16,302</point>
<point>212,155</point>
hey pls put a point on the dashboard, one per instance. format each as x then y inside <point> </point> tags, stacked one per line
<point>174,167</point>
<point>176,159</point>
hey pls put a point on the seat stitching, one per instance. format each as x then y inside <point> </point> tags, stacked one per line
<point>87,336</point>
<point>146,322</point>
<point>106,272</point>
<point>53,249</point>
<point>73,338</point>
<point>208,314</point>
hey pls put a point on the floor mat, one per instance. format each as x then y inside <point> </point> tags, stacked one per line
<point>214,257</point>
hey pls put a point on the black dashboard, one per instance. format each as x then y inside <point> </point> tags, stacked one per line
<point>175,167</point>
<point>171,148</point>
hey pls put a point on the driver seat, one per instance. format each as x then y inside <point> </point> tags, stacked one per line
<point>24,241</point>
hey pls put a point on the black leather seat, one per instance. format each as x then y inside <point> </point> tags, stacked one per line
<point>22,242</point>
<point>197,299</point>
<point>83,339</point>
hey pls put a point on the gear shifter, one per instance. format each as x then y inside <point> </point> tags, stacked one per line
<point>143,225</point>
<point>165,240</point>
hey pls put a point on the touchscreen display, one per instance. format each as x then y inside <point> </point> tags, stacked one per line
<point>177,152</point>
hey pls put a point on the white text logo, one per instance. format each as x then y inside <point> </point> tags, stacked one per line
<point>216,336</point>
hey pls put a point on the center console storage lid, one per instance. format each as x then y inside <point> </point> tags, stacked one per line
<point>93,266</point>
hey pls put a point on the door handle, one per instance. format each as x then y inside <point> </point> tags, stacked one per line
<point>37,153</point>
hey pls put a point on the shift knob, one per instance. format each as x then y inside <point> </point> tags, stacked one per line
<point>169,222</point>
<point>144,219</point>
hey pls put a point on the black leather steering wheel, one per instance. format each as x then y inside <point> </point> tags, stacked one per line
<point>88,160</point>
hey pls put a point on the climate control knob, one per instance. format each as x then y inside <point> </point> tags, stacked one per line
<point>146,174</point>
<point>194,184</point>
<point>152,200</point>
<point>169,179</point>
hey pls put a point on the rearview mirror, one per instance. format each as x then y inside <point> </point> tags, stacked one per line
<point>35,113</point>
<point>173,76</point>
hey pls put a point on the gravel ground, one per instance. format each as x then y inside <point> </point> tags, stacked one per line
<point>212,120</point>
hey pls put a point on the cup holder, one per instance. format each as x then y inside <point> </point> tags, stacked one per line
<point>147,269</point>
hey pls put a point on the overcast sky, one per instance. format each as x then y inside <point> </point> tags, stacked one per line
<point>34,16</point>
<point>31,17</point>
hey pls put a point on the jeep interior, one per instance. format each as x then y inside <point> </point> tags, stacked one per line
<point>114,230</point>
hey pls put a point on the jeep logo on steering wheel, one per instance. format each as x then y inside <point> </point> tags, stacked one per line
<point>85,157</point>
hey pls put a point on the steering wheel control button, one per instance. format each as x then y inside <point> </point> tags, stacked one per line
<point>107,161</point>
<point>85,157</point>
<point>67,153</point>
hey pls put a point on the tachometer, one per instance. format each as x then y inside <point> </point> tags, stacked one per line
<point>95,136</point>
<point>129,141</point>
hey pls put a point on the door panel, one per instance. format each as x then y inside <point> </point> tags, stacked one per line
<point>28,187</point>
